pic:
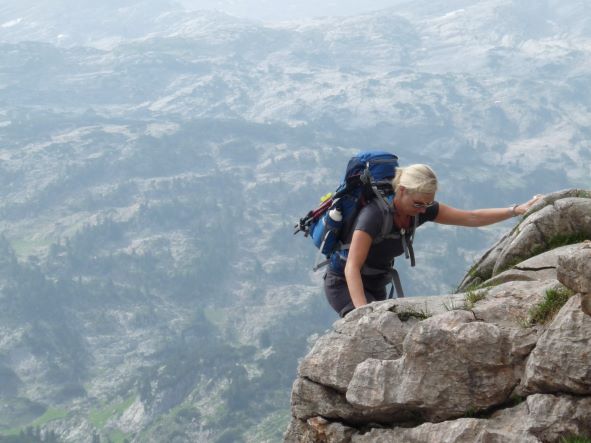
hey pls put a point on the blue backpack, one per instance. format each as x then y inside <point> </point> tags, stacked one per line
<point>368,176</point>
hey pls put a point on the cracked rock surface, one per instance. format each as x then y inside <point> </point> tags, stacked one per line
<point>478,368</point>
<point>558,218</point>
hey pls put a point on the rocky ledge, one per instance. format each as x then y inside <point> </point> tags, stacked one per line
<point>506,359</point>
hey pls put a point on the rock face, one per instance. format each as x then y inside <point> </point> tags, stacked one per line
<point>508,360</point>
<point>558,218</point>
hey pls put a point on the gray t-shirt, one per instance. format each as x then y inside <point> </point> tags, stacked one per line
<point>381,254</point>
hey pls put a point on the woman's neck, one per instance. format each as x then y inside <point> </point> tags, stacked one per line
<point>401,219</point>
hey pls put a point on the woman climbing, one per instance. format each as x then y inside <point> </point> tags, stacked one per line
<point>368,267</point>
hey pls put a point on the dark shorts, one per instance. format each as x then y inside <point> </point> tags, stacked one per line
<point>337,292</point>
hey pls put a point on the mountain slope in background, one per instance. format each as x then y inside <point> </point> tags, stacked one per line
<point>153,162</point>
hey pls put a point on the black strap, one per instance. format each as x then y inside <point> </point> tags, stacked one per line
<point>409,251</point>
<point>394,277</point>
<point>396,284</point>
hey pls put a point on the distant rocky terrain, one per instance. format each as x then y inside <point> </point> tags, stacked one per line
<point>153,161</point>
<point>507,359</point>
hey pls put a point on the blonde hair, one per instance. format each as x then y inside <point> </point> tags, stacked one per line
<point>417,178</point>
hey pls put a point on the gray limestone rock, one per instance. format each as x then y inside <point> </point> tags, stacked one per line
<point>574,268</point>
<point>561,360</point>
<point>538,268</point>
<point>541,418</point>
<point>558,218</point>
<point>451,364</point>
<point>310,399</point>
<point>509,304</point>
<point>586,303</point>
<point>335,356</point>
<point>567,217</point>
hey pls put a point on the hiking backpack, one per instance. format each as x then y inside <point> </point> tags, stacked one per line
<point>368,176</point>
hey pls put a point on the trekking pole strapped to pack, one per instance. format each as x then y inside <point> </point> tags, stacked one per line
<point>368,175</point>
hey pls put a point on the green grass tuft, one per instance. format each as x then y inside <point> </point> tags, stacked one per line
<point>453,307</point>
<point>554,242</point>
<point>473,271</point>
<point>409,312</point>
<point>569,239</point>
<point>560,240</point>
<point>475,276</point>
<point>515,400</point>
<point>547,309</point>
<point>471,287</point>
<point>474,296</point>
<point>471,413</point>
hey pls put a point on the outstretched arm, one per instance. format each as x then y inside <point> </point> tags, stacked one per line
<point>481,217</point>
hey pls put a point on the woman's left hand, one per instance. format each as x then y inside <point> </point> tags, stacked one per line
<point>524,207</point>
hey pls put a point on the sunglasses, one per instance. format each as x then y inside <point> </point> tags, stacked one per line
<point>419,205</point>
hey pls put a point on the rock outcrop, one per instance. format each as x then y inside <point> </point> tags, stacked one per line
<point>559,218</point>
<point>506,360</point>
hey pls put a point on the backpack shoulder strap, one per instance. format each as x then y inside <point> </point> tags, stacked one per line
<point>407,240</point>
<point>387,223</point>
<point>386,232</point>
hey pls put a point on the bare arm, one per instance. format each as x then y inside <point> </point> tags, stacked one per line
<point>480,217</point>
<point>360,244</point>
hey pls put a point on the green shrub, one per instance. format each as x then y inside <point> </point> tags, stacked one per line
<point>408,312</point>
<point>546,310</point>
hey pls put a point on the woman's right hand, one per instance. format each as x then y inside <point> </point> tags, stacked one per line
<point>524,207</point>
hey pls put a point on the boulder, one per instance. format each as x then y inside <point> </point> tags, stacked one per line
<point>538,268</point>
<point>574,268</point>
<point>451,364</point>
<point>561,360</point>
<point>509,304</point>
<point>309,399</point>
<point>335,356</point>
